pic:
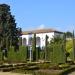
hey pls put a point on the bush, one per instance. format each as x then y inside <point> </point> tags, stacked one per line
<point>42,54</point>
<point>62,66</point>
<point>44,65</point>
<point>19,56</point>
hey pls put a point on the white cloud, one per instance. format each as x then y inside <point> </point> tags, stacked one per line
<point>42,26</point>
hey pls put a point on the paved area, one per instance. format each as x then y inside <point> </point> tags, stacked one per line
<point>9,73</point>
<point>73,73</point>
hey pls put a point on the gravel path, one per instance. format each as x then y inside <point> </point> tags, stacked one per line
<point>10,73</point>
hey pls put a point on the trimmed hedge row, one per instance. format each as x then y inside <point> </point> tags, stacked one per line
<point>56,54</point>
<point>19,56</point>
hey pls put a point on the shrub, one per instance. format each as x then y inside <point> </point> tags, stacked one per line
<point>62,66</point>
<point>19,56</point>
<point>44,65</point>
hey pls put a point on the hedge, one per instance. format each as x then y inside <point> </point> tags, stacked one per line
<point>18,56</point>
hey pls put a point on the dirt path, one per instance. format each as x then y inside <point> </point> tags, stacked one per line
<point>73,73</point>
<point>9,73</point>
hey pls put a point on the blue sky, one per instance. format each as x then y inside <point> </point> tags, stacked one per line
<point>36,14</point>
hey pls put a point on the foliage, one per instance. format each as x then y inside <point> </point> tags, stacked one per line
<point>34,47</point>
<point>70,49</point>
<point>42,54</point>
<point>69,45</point>
<point>20,41</point>
<point>62,66</point>
<point>44,65</point>
<point>0,55</point>
<point>69,34</point>
<point>57,49</point>
<point>50,53</point>
<point>46,48</point>
<point>19,56</point>
<point>37,53</point>
<point>9,33</point>
<point>56,39</point>
<point>58,54</point>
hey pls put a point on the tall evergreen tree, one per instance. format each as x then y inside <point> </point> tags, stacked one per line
<point>46,45</point>
<point>9,33</point>
<point>34,47</point>
<point>69,34</point>
<point>73,46</point>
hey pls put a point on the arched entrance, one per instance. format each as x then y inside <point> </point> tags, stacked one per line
<point>24,42</point>
<point>30,41</point>
<point>38,41</point>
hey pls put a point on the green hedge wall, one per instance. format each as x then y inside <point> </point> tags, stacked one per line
<point>70,49</point>
<point>0,55</point>
<point>19,56</point>
<point>42,55</point>
<point>37,53</point>
<point>50,54</point>
<point>58,54</point>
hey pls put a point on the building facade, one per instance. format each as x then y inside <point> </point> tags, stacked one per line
<point>40,36</point>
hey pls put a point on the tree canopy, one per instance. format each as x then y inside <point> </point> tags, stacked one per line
<point>9,32</point>
<point>69,34</point>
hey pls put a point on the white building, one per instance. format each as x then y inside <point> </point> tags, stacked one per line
<point>40,36</point>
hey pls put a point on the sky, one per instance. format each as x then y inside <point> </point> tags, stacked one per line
<point>39,14</point>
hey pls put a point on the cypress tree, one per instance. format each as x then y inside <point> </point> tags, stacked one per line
<point>64,47</point>
<point>34,47</point>
<point>73,46</point>
<point>46,44</point>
